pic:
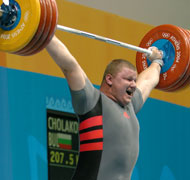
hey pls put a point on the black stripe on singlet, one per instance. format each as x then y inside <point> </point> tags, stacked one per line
<point>90,129</point>
<point>92,141</point>
<point>89,161</point>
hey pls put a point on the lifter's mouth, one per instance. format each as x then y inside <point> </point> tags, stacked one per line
<point>130,92</point>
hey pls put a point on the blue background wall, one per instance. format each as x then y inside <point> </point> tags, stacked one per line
<point>25,97</point>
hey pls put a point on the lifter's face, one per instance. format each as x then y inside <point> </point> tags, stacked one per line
<point>123,85</point>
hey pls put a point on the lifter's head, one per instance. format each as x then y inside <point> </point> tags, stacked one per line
<point>119,81</point>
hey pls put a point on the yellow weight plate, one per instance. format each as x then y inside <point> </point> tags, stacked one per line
<point>12,40</point>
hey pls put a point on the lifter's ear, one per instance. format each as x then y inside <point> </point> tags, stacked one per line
<point>109,79</point>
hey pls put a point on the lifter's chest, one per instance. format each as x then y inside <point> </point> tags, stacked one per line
<point>118,119</point>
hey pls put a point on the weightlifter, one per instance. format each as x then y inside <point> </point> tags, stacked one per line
<point>109,129</point>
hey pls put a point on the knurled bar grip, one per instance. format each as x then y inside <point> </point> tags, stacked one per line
<point>104,39</point>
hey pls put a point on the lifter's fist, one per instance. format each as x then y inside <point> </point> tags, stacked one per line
<point>156,54</point>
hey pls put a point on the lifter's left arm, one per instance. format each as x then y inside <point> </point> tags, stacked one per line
<point>149,78</point>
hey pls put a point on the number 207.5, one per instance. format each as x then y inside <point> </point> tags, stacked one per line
<point>58,158</point>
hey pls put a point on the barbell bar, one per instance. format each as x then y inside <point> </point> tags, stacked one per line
<point>104,39</point>
<point>24,34</point>
<point>2,11</point>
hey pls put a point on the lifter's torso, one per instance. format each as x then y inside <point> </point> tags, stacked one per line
<point>121,141</point>
<point>120,129</point>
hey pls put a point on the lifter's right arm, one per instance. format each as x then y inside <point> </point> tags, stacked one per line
<point>68,64</point>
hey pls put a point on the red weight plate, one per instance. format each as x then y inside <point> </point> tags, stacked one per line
<point>52,29</point>
<point>46,31</point>
<point>188,73</point>
<point>39,32</point>
<point>188,79</point>
<point>176,37</point>
<point>185,77</point>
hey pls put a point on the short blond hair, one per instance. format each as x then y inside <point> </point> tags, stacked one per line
<point>115,66</point>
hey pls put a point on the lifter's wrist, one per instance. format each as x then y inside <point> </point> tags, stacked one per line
<point>158,61</point>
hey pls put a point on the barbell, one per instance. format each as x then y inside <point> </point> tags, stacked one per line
<point>27,26</point>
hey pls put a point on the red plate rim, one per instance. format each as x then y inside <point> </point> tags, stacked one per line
<point>185,79</point>
<point>52,29</point>
<point>46,30</point>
